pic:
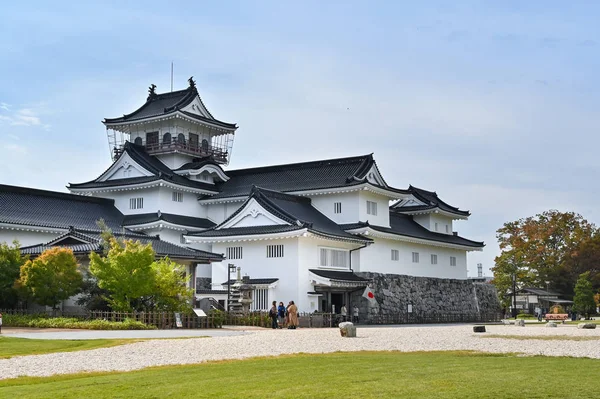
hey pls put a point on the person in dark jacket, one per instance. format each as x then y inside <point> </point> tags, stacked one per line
<point>281,314</point>
<point>273,315</point>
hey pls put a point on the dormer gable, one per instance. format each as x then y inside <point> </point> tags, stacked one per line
<point>252,214</point>
<point>124,167</point>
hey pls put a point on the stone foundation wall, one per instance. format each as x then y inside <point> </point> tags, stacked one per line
<point>394,292</point>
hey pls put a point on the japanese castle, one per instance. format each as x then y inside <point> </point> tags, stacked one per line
<point>298,231</point>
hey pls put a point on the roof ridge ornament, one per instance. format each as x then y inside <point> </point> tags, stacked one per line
<point>152,92</point>
<point>192,83</point>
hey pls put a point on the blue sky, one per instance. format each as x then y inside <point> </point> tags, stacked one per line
<point>491,104</point>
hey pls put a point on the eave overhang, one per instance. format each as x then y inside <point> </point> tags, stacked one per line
<point>434,210</point>
<point>125,126</point>
<point>370,232</point>
<point>141,186</point>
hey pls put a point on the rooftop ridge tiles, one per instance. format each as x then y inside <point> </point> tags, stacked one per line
<point>55,194</point>
<point>319,162</point>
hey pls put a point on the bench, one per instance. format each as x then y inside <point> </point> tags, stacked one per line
<point>556,317</point>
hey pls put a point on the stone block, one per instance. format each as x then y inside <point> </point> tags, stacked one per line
<point>520,323</point>
<point>347,329</point>
<point>507,322</point>
<point>479,329</point>
<point>551,324</point>
<point>586,326</point>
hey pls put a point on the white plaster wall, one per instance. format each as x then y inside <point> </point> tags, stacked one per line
<point>350,206</point>
<point>377,258</point>
<point>256,265</point>
<point>429,220</point>
<point>173,161</point>
<point>383,215</point>
<point>150,195</point>
<point>26,238</point>
<point>217,213</point>
<point>189,206</point>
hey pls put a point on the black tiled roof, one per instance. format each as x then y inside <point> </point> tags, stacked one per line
<point>255,281</point>
<point>242,231</point>
<point>160,247</point>
<point>131,220</point>
<point>431,200</point>
<point>152,165</point>
<point>206,292</point>
<point>198,165</point>
<point>32,207</point>
<point>168,103</point>
<point>338,275</point>
<point>404,225</point>
<point>295,210</point>
<point>315,175</point>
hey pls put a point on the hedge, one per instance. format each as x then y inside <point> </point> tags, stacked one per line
<point>40,321</point>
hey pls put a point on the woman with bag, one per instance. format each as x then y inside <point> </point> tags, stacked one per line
<point>292,316</point>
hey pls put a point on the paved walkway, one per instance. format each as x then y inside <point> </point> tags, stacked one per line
<point>50,333</point>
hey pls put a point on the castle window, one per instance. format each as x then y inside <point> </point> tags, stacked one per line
<point>372,208</point>
<point>138,141</point>
<point>181,138</point>
<point>234,252</point>
<point>177,196</point>
<point>395,255</point>
<point>194,141</point>
<point>453,261</point>
<point>275,251</point>
<point>337,207</point>
<point>151,139</point>
<point>433,259</point>
<point>415,257</point>
<point>333,257</point>
<point>260,299</point>
<point>204,145</point>
<point>136,203</point>
<point>447,229</point>
<point>167,139</point>
<point>436,226</point>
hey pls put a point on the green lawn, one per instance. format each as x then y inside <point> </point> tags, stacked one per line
<point>361,375</point>
<point>10,346</point>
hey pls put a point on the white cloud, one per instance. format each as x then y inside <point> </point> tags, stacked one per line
<point>21,117</point>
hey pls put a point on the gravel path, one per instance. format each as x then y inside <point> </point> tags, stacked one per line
<point>268,343</point>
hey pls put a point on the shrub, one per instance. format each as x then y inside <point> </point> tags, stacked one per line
<point>526,316</point>
<point>43,321</point>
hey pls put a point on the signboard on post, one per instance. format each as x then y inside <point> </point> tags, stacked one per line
<point>199,312</point>
<point>178,322</point>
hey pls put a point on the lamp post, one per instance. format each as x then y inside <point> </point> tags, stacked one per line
<point>230,268</point>
<point>548,294</point>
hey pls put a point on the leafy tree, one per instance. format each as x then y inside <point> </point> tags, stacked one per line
<point>583,302</point>
<point>536,250</point>
<point>172,292</point>
<point>52,277</point>
<point>92,297</point>
<point>586,258</point>
<point>10,266</point>
<point>125,272</point>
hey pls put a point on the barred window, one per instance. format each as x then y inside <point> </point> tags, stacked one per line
<point>415,257</point>
<point>434,259</point>
<point>453,261</point>
<point>136,203</point>
<point>177,197</point>
<point>275,251</point>
<point>260,299</point>
<point>436,226</point>
<point>447,229</point>
<point>337,207</point>
<point>395,254</point>
<point>234,252</point>
<point>372,208</point>
<point>333,258</point>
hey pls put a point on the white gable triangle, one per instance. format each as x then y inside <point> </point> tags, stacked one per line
<point>251,215</point>
<point>196,107</point>
<point>374,177</point>
<point>124,168</point>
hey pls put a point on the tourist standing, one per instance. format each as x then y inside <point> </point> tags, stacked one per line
<point>273,315</point>
<point>344,312</point>
<point>281,314</point>
<point>355,314</point>
<point>292,316</point>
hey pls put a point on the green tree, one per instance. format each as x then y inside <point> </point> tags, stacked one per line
<point>10,267</point>
<point>586,258</point>
<point>126,272</point>
<point>583,302</point>
<point>171,286</point>
<point>536,250</point>
<point>52,277</point>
